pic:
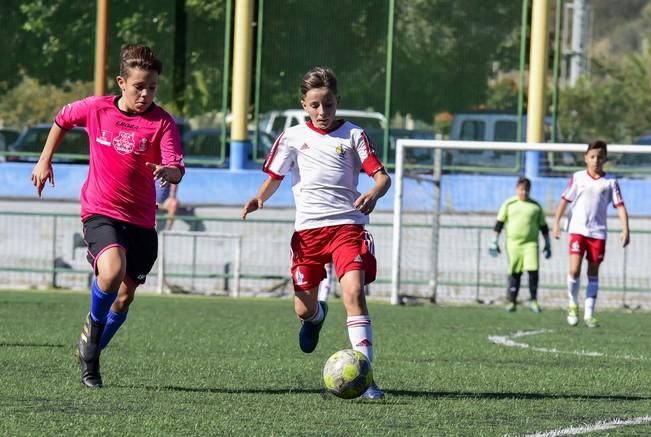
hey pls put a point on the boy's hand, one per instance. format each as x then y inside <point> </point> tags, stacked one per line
<point>547,251</point>
<point>41,174</point>
<point>624,238</point>
<point>556,231</point>
<point>494,248</point>
<point>250,206</point>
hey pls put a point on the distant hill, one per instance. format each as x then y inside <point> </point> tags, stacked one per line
<point>620,26</point>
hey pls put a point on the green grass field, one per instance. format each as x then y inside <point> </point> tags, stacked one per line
<point>192,366</point>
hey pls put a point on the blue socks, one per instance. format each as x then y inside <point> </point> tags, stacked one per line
<point>113,323</point>
<point>100,303</point>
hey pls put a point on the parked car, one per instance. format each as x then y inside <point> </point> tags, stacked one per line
<point>632,162</point>
<point>7,138</point>
<point>493,126</point>
<point>73,148</point>
<point>275,122</point>
<point>203,147</point>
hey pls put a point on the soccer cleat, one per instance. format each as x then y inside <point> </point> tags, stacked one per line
<point>88,352</point>
<point>510,307</point>
<point>533,304</point>
<point>591,322</point>
<point>573,315</point>
<point>373,392</point>
<point>308,337</point>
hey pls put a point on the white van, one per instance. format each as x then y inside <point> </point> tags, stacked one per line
<point>275,122</point>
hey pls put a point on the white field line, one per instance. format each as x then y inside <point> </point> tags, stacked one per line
<point>599,426</point>
<point>507,340</point>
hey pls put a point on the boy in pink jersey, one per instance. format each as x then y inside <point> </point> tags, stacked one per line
<point>325,157</point>
<point>590,191</point>
<point>132,142</point>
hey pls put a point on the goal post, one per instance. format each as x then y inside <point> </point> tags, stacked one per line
<point>435,168</point>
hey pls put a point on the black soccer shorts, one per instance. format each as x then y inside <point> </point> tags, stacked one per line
<point>141,244</point>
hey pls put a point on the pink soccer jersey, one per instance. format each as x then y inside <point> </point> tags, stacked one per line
<point>119,184</point>
<point>325,169</point>
<point>589,198</point>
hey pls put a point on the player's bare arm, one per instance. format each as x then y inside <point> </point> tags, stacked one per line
<point>624,237</point>
<point>165,173</point>
<point>267,189</point>
<point>556,229</point>
<point>366,202</point>
<point>43,171</point>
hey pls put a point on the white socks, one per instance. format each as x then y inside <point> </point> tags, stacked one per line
<point>591,296</point>
<point>361,334</point>
<point>573,289</point>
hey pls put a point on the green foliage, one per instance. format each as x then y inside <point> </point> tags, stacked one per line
<point>31,102</point>
<point>206,366</point>
<point>614,103</point>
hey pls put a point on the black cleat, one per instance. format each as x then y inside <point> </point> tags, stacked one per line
<point>308,337</point>
<point>88,352</point>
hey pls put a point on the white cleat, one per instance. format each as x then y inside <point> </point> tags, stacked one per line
<point>373,392</point>
<point>573,315</point>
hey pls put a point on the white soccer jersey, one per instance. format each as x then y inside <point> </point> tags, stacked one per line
<point>325,168</point>
<point>589,199</point>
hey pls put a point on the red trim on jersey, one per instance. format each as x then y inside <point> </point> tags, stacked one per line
<point>371,164</point>
<point>593,177</point>
<point>272,153</point>
<point>337,124</point>
<point>566,199</point>
<point>273,175</point>
<point>617,205</point>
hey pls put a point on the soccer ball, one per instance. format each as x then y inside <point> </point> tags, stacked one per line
<point>347,374</point>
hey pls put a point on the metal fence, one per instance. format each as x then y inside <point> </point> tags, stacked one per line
<point>39,250</point>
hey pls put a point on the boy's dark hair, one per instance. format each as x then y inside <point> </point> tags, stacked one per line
<point>524,181</point>
<point>598,144</point>
<point>319,77</point>
<point>138,56</point>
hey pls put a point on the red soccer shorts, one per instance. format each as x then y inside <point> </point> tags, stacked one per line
<point>348,247</point>
<point>594,248</point>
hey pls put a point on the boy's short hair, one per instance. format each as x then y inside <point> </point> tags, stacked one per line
<point>524,181</point>
<point>598,144</point>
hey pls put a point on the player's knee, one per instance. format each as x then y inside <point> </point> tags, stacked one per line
<point>122,302</point>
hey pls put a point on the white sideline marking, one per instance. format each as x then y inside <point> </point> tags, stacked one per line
<point>507,340</point>
<point>599,426</point>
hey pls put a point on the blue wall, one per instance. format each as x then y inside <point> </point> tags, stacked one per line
<point>460,193</point>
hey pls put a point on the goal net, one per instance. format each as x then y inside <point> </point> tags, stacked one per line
<point>447,194</point>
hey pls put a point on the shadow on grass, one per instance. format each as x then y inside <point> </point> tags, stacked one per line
<point>405,393</point>
<point>3,344</point>
<point>513,395</point>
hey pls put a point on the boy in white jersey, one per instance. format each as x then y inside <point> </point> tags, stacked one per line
<point>325,157</point>
<point>589,191</point>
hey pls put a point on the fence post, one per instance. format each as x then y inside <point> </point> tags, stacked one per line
<point>54,251</point>
<point>161,264</point>
<point>478,265</point>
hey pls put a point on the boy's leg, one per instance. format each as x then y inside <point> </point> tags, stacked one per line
<point>515,256</point>
<point>118,314</point>
<point>358,322</point>
<point>354,258</point>
<point>325,286</point>
<point>596,252</point>
<point>513,290</point>
<point>110,266</point>
<point>312,314</point>
<point>592,290</point>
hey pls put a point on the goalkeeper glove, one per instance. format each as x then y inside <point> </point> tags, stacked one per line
<point>493,248</point>
<point>547,250</point>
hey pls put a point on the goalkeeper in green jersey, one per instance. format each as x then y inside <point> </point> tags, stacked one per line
<point>523,217</point>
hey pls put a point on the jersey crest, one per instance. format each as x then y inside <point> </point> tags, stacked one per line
<point>125,142</point>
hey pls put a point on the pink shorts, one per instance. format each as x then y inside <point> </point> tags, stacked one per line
<point>594,248</point>
<point>348,247</point>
